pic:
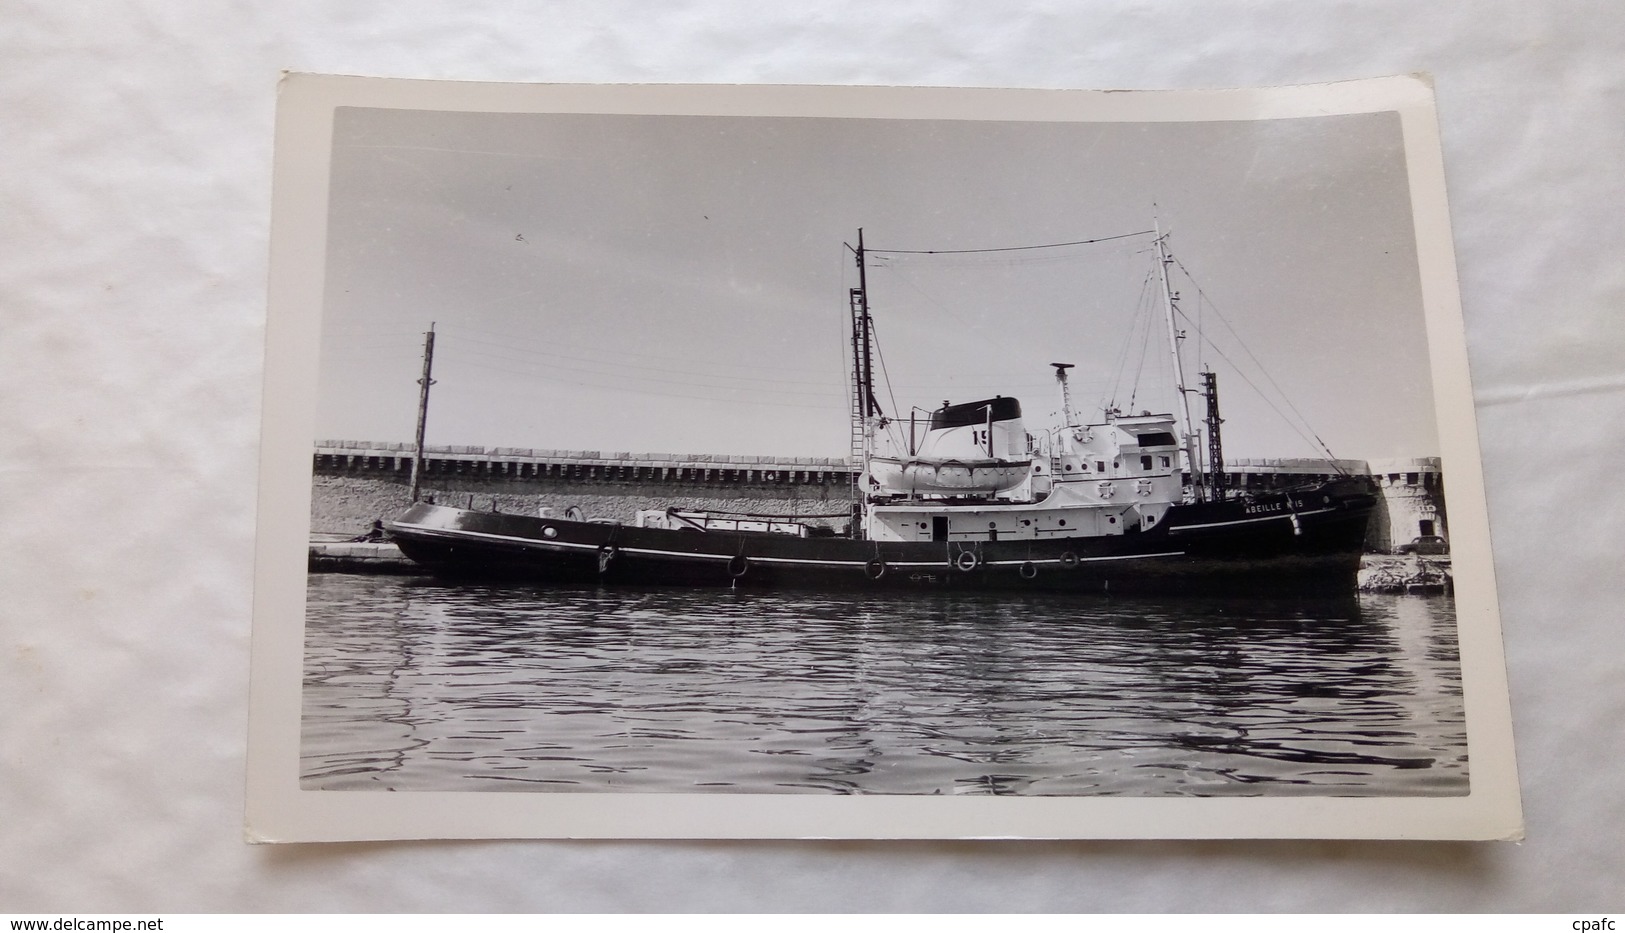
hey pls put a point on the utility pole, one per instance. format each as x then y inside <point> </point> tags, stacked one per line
<point>423,406</point>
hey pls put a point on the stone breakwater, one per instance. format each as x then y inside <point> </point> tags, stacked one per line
<point>348,505</point>
<point>356,483</point>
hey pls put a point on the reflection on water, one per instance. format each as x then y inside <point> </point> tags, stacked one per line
<point>412,685</point>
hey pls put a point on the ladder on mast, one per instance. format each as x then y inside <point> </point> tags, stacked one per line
<point>860,400</point>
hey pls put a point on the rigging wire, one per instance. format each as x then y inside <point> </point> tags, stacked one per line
<point>1145,315</point>
<point>808,401</point>
<point>1142,318</point>
<point>1312,438</point>
<point>633,377</point>
<point>885,377</point>
<point>911,282</point>
<point>1005,249</point>
<point>641,368</point>
<point>884,260</point>
<point>1295,421</point>
<point>1139,370</point>
<point>1303,423</point>
<point>1200,304</point>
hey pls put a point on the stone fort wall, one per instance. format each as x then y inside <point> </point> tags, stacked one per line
<point>348,504</point>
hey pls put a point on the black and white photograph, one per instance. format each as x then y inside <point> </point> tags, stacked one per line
<point>591,458</point>
<point>846,462</point>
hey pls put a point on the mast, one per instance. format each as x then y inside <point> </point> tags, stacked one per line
<point>866,327</point>
<point>863,384</point>
<point>1168,300</point>
<point>423,406</point>
<point>1215,447</point>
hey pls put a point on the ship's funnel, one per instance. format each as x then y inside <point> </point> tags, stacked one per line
<point>990,429</point>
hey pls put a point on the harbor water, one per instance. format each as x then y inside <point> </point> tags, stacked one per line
<point>415,685</point>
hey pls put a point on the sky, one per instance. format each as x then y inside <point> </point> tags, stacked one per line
<point>679,283</point>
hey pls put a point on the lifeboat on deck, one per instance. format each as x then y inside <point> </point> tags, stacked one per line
<point>969,449</point>
<point>946,477</point>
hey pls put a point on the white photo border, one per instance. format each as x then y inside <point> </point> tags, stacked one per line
<point>278,810</point>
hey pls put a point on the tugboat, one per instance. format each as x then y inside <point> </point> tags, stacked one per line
<point>974,503</point>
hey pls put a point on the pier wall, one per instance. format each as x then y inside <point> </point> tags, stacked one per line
<point>355,483</point>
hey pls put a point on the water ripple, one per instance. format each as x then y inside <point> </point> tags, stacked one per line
<point>411,685</point>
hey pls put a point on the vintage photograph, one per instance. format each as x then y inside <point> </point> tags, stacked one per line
<point>767,446</point>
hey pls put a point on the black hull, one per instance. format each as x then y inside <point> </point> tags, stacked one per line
<point>1305,541</point>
